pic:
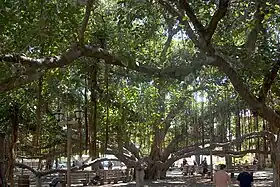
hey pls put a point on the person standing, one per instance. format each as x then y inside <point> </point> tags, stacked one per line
<point>245,179</point>
<point>110,165</point>
<point>221,178</point>
<point>204,166</point>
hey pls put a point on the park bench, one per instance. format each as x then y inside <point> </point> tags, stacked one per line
<point>112,175</point>
<point>78,177</point>
<point>239,169</point>
<point>85,178</point>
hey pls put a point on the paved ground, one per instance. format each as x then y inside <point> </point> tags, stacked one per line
<point>176,179</point>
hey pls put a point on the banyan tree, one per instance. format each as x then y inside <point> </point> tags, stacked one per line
<point>136,68</point>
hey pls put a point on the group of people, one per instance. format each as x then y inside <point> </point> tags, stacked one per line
<point>191,169</point>
<point>222,179</point>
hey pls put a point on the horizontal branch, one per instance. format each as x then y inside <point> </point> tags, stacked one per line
<point>230,152</point>
<point>39,173</point>
<point>194,149</point>
<point>39,66</point>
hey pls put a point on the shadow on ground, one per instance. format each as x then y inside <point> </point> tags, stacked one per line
<point>262,179</point>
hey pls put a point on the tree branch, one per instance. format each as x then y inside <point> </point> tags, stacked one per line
<point>181,19</point>
<point>268,81</point>
<point>253,35</point>
<point>85,22</point>
<point>168,41</point>
<point>196,23</point>
<point>218,15</point>
<point>19,80</point>
<point>128,160</point>
<point>193,149</point>
<point>227,152</point>
<point>171,146</point>
<point>52,171</point>
<point>264,111</point>
<point>132,149</point>
<point>177,72</point>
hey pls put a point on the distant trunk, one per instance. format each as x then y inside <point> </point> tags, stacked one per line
<point>14,113</point>
<point>36,140</point>
<point>2,156</point>
<point>93,112</point>
<point>228,160</point>
<point>86,113</point>
<point>197,159</point>
<point>106,77</point>
<point>237,129</point>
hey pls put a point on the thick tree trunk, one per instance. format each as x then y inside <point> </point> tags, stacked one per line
<point>275,157</point>
<point>139,175</point>
<point>153,171</point>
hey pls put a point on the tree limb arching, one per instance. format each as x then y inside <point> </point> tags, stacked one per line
<point>39,173</point>
<point>194,149</point>
<point>74,53</point>
<point>263,110</point>
<point>221,63</point>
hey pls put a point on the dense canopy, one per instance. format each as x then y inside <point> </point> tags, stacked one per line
<point>166,75</point>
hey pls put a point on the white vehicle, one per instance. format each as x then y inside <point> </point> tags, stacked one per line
<point>116,165</point>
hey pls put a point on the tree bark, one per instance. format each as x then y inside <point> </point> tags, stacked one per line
<point>14,113</point>
<point>2,157</point>
<point>93,112</point>
<point>86,113</point>
<point>275,157</point>
<point>237,129</point>
<point>38,114</point>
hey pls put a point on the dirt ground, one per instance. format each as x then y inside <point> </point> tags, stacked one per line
<point>176,179</point>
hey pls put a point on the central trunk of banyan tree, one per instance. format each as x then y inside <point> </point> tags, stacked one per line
<point>157,165</point>
<point>156,170</point>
